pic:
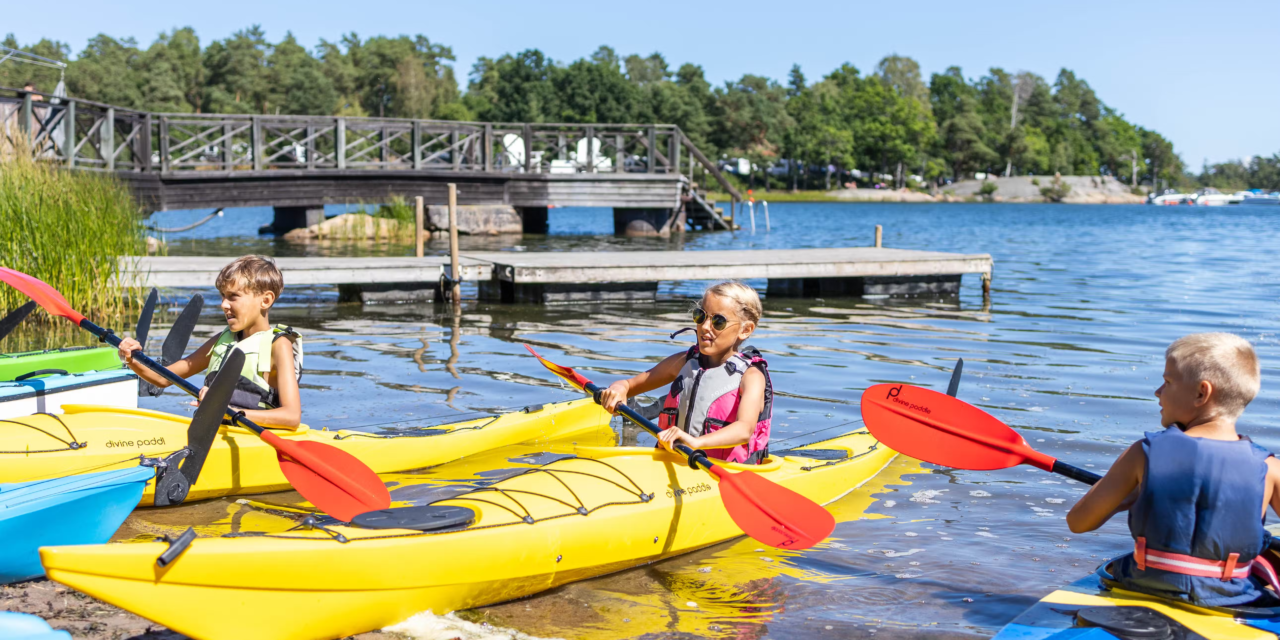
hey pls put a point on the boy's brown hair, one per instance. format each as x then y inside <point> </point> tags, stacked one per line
<point>1226,360</point>
<point>258,274</point>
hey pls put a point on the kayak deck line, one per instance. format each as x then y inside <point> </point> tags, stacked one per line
<point>563,277</point>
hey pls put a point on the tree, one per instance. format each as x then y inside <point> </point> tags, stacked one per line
<point>107,71</point>
<point>172,73</point>
<point>44,78</point>
<point>237,76</point>
<point>903,74</point>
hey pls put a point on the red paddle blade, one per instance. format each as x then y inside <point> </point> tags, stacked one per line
<point>331,479</point>
<point>569,375</point>
<point>771,513</point>
<point>44,295</point>
<point>943,430</point>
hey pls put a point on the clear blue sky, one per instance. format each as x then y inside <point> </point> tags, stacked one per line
<point>1206,75</point>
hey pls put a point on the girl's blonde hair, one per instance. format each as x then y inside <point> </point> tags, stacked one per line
<point>746,301</point>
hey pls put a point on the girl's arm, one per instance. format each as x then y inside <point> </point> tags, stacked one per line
<point>1111,493</point>
<point>283,379</point>
<point>185,368</point>
<point>663,373</point>
<point>750,404</point>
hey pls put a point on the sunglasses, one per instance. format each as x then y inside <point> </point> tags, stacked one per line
<point>718,322</point>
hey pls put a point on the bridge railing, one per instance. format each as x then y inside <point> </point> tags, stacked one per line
<point>91,135</point>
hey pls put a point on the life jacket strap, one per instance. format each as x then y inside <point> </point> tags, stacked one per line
<point>1190,565</point>
<point>1263,571</point>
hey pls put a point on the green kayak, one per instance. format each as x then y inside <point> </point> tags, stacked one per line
<point>16,366</point>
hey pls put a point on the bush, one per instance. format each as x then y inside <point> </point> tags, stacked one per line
<point>1056,190</point>
<point>70,229</point>
<point>987,189</point>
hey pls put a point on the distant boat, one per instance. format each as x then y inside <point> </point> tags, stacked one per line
<point>1169,196</point>
<point>1210,197</point>
<point>1272,198</point>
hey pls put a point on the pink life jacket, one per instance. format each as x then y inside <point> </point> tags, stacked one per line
<point>706,400</point>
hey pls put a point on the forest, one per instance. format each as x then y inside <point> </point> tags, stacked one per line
<point>890,121</point>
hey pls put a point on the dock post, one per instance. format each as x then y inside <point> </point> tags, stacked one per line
<point>455,277</point>
<point>751,206</point>
<point>879,235</point>
<point>986,290</point>
<point>767,227</point>
<point>419,223</point>
<point>69,140</point>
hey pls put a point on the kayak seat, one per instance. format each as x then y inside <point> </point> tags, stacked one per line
<point>422,518</point>
<point>1270,608</point>
<point>814,454</point>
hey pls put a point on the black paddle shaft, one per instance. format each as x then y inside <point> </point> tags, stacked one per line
<point>182,383</point>
<point>697,457</point>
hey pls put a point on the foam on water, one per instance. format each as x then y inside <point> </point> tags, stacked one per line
<point>428,626</point>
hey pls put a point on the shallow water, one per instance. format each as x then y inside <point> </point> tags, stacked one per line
<point>1084,301</point>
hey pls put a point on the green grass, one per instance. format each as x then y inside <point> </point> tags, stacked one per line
<point>69,229</point>
<point>779,196</point>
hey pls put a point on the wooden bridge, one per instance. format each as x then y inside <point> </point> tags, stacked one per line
<point>649,174</point>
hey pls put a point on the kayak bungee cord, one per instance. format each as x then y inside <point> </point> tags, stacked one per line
<point>71,446</point>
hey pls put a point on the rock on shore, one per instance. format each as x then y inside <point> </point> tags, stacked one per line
<point>1084,189</point>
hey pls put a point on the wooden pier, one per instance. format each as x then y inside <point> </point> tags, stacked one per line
<point>567,277</point>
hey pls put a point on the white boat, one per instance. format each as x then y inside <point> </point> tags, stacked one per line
<point>1170,197</point>
<point>47,394</point>
<point>1210,197</point>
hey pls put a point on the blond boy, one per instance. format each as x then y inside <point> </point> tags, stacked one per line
<point>268,389</point>
<point>1196,492</point>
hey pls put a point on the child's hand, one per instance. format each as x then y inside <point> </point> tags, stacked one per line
<point>614,395</point>
<point>127,347</point>
<point>200,398</point>
<point>670,437</point>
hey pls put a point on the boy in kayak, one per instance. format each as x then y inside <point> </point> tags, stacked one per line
<point>1197,492</point>
<point>721,398</point>
<point>268,388</point>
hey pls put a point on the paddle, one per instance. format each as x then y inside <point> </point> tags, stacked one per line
<point>143,328</point>
<point>946,431</point>
<point>15,317</point>
<point>175,344</point>
<point>911,420</point>
<point>330,478</point>
<point>200,434</point>
<point>766,511</point>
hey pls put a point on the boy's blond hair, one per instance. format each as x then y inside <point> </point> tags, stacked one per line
<point>1226,361</point>
<point>745,299</point>
<point>258,274</point>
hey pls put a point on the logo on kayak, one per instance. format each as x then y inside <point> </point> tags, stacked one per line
<point>135,444</point>
<point>893,395</point>
<point>681,491</point>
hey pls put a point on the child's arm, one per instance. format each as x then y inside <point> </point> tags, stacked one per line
<point>185,368</point>
<point>1273,486</point>
<point>661,374</point>
<point>1112,492</point>
<point>283,379</point>
<point>750,404</point>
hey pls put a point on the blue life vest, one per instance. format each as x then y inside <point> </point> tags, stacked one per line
<point>1200,498</point>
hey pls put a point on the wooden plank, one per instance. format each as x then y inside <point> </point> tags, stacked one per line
<point>649,266</point>
<point>196,271</point>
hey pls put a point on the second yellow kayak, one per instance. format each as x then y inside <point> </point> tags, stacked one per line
<point>93,438</point>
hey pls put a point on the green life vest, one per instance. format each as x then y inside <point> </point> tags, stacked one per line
<point>252,390</point>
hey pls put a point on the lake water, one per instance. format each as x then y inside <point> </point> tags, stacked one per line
<point>1085,299</point>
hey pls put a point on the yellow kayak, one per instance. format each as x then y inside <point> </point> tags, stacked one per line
<point>1097,607</point>
<point>553,520</point>
<point>95,438</point>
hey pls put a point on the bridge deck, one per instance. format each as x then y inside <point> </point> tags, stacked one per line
<point>511,275</point>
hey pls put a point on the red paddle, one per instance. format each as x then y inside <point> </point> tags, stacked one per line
<point>768,512</point>
<point>950,432</point>
<point>328,477</point>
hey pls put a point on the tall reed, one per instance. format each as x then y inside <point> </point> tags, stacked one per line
<point>70,229</point>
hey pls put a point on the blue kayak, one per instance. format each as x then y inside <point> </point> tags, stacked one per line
<point>79,509</point>
<point>24,626</point>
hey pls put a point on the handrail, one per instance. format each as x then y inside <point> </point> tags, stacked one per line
<point>711,167</point>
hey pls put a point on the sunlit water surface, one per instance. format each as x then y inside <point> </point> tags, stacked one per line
<point>1085,300</point>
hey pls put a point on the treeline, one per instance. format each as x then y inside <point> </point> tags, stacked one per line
<point>1256,173</point>
<point>891,121</point>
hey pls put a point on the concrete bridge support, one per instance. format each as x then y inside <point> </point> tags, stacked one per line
<point>287,219</point>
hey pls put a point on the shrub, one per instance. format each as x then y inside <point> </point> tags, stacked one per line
<point>987,189</point>
<point>1056,190</point>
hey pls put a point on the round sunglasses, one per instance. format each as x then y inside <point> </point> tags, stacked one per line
<point>718,322</point>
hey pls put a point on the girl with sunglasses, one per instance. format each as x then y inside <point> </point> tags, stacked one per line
<point>721,398</point>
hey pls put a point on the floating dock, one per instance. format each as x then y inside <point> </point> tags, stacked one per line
<point>566,277</point>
